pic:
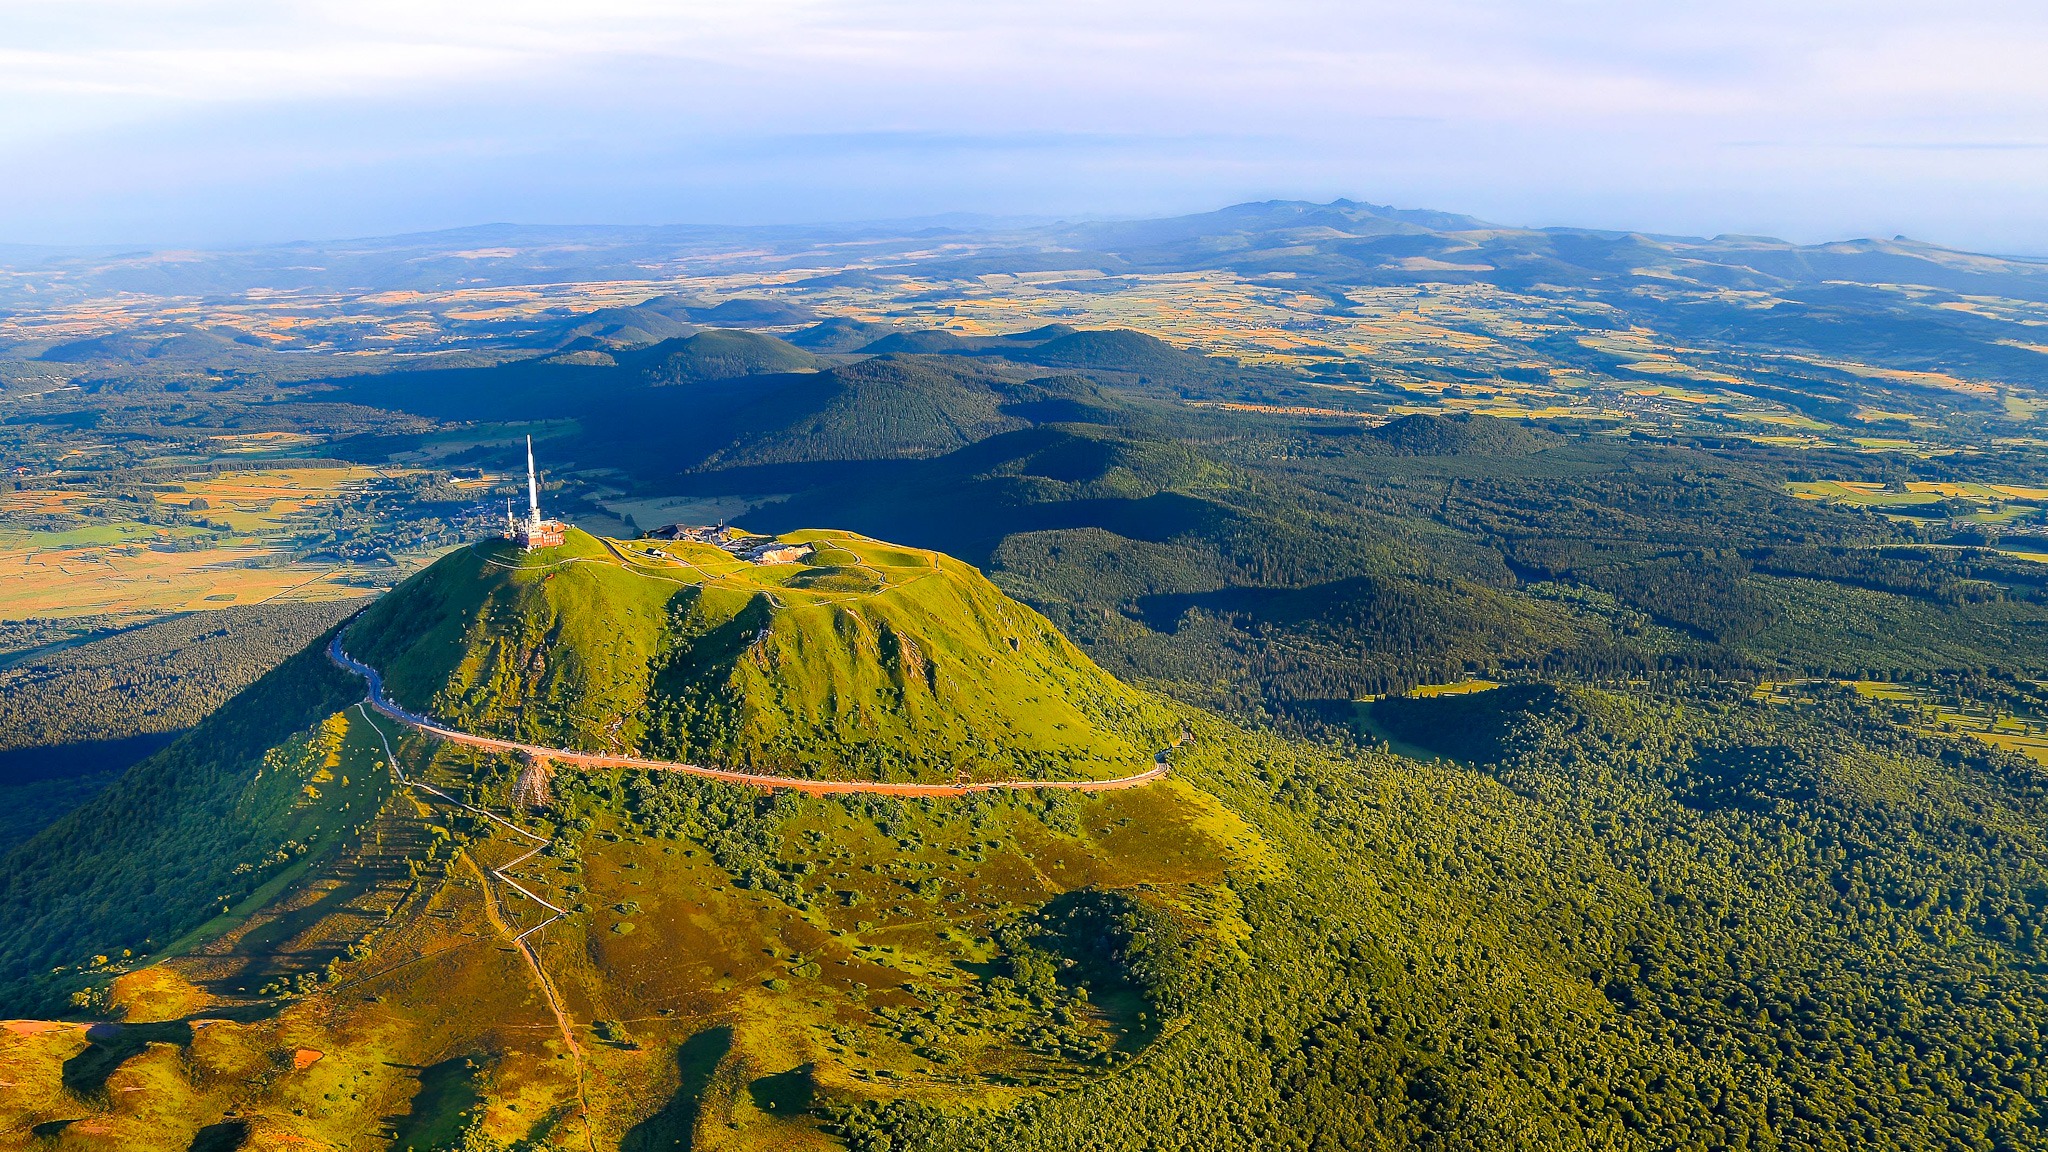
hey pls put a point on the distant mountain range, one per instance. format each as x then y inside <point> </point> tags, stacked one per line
<point>1343,242</point>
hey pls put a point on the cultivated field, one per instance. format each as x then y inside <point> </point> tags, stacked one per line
<point>114,550</point>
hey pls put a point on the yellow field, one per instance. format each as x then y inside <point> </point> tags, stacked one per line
<point>242,443</point>
<point>1431,691</point>
<point>1902,376</point>
<point>2012,733</point>
<point>1980,491</point>
<point>2025,735</point>
<point>2015,500</point>
<point>1287,410</point>
<point>1461,688</point>
<point>1412,337</point>
<point>111,564</point>
<point>269,494</point>
<point>1783,419</point>
<point>1859,493</point>
<point>66,582</point>
<point>1871,415</point>
<point>38,501</point>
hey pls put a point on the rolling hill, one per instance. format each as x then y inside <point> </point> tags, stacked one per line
<point>269,881</point>
<point>862,661</point>
<point>718,354</point>
<point>726,399</point>
<point>1597,679</point>
<point>307,924</point>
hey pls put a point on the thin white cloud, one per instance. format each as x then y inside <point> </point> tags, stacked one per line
<point>1512,60</point>
<point>1644,94</point>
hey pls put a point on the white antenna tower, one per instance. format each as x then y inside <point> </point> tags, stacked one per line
<point>532,487</point>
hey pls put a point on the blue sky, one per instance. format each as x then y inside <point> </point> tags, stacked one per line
<point>167,121</point>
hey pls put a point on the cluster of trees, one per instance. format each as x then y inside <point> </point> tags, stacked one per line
<point>162,677</point>
<point>1666,918</point>
<point>739,827</point>
<point>157,853</point>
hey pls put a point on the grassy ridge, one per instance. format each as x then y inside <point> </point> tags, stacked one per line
<point>549,648</point>
<point>866,661</point>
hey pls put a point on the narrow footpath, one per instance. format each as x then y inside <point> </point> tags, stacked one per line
<point>377,700</point>
<point>503,874</point>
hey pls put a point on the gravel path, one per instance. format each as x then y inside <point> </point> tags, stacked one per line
<point>434,728</point>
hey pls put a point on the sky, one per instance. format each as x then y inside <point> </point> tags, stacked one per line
<point>202,122</point>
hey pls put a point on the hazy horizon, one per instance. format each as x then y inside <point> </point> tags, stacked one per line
<point>962,220</point>
<point>225,122</point>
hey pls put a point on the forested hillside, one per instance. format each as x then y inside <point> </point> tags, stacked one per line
<point>1643,920</point>
<point>1573,736</point>
<point>1236,535</point>
<point>72,719</point>
<point>162,677</point>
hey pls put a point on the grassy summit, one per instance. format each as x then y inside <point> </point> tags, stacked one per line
<point>862,661</point>
<point>302,949</point>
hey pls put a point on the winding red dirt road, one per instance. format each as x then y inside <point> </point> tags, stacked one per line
<point>377,700</point>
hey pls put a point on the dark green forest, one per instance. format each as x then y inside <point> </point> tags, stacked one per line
<point>1633,902</point>
<point>161,677</point>
<point>1278,564</point>
<point>1644,919</point>
<point>73,718</point>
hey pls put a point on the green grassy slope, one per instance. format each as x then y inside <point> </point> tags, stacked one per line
<point>864,662</point>
<point>195,827</point>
